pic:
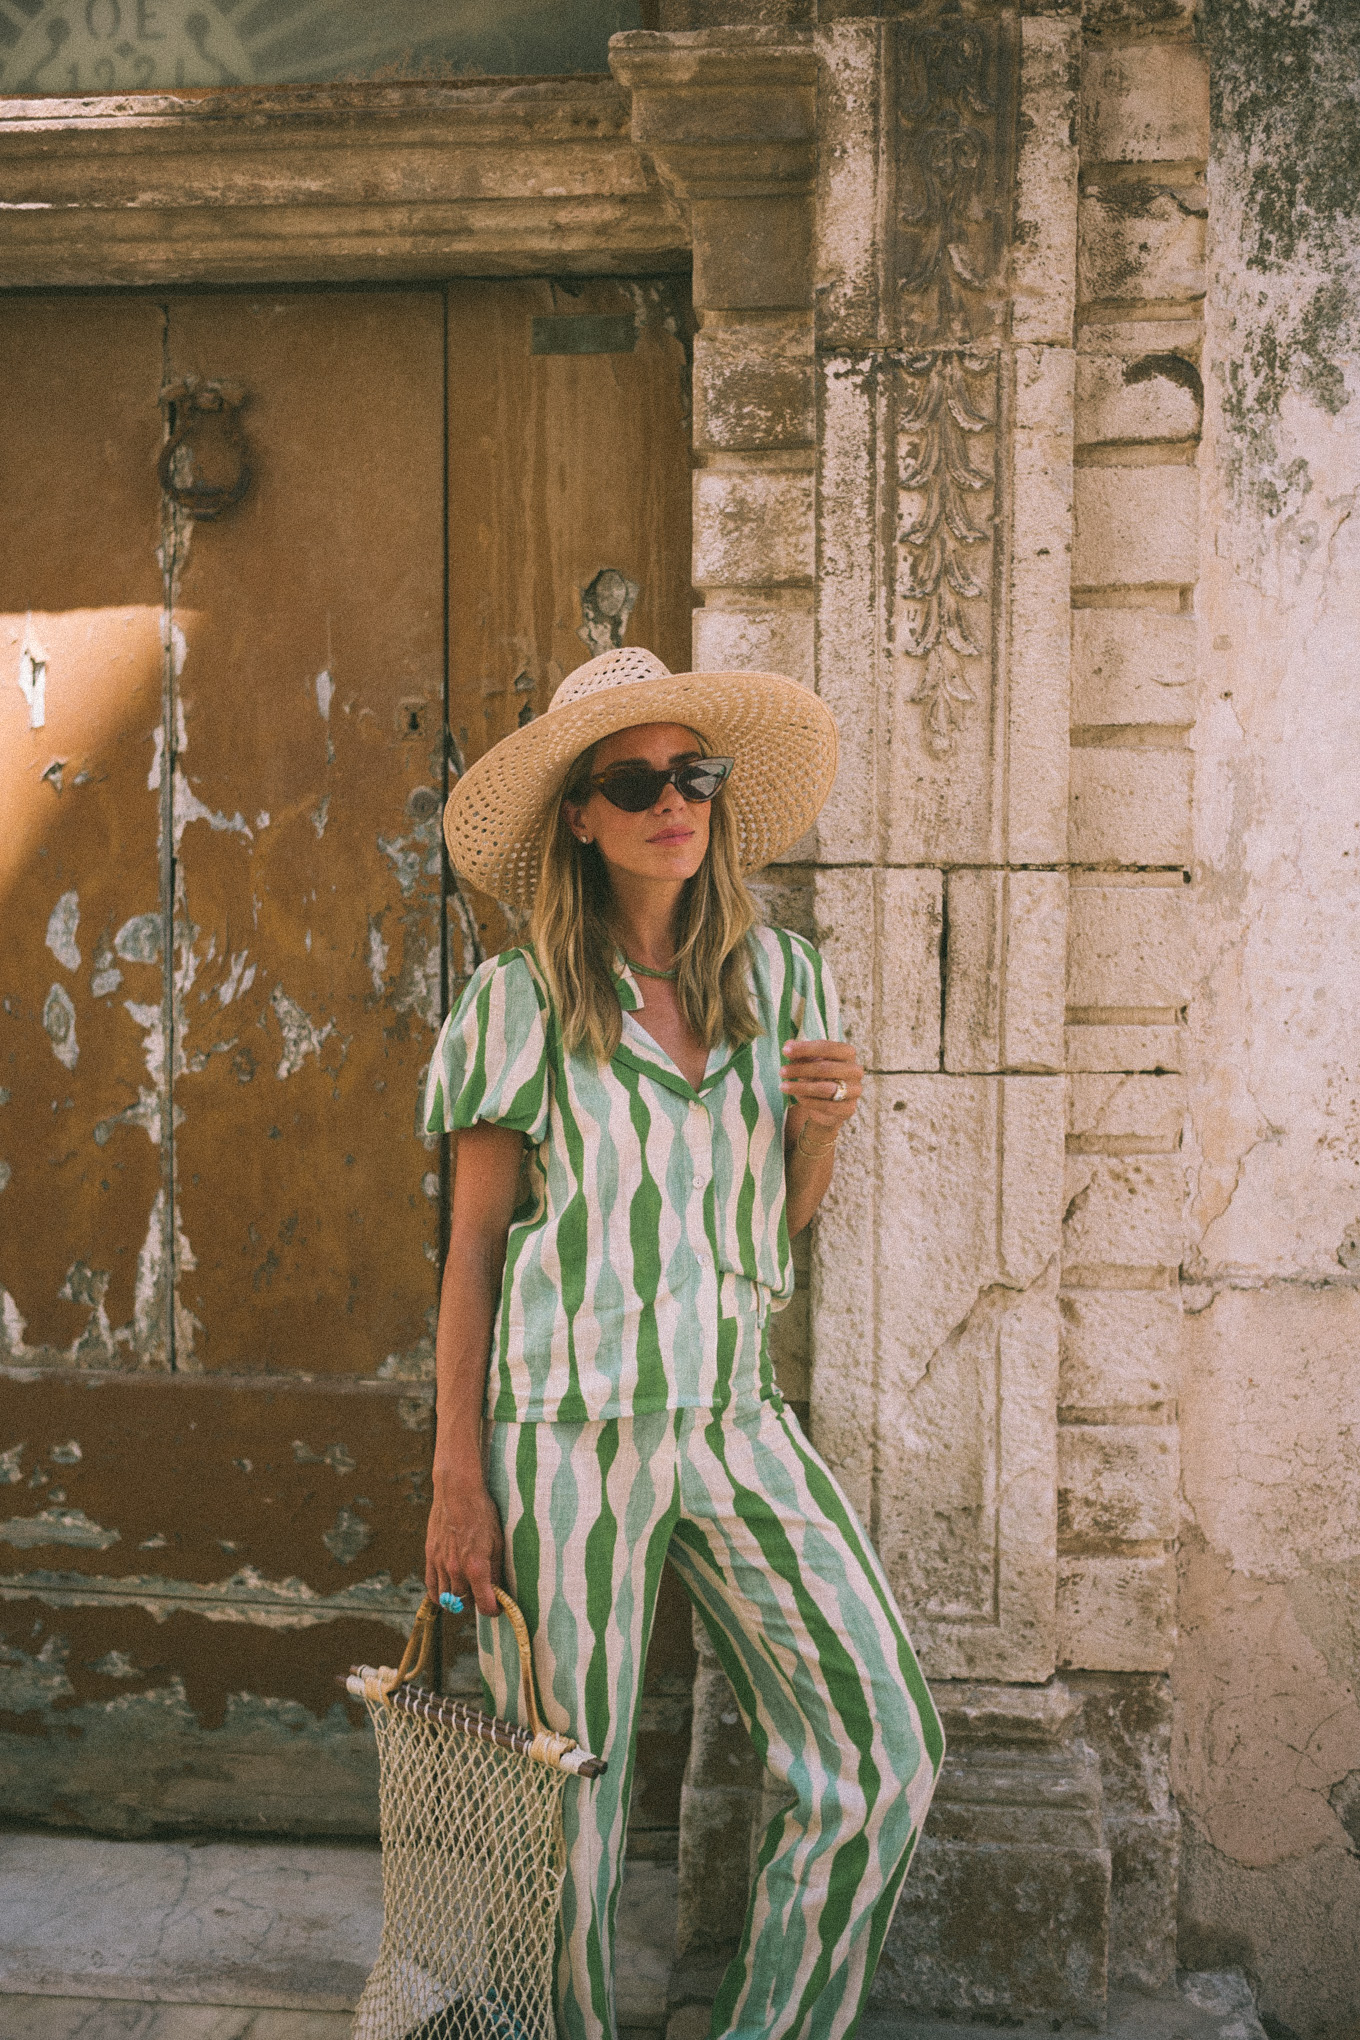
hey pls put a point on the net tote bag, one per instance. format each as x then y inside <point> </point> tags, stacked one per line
<point>473,1855</point>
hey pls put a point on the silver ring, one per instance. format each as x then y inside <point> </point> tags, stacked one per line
<point>838,1095</point>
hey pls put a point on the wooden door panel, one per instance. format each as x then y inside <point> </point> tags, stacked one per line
<point>222,1501</point>
<point>563,466</point>
<point>307,915</point>
<point>82,1219</point>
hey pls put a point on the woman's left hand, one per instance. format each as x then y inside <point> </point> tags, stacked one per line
<point>813,1072</point>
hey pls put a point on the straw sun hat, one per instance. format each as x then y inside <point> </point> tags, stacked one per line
<point>782,738</point>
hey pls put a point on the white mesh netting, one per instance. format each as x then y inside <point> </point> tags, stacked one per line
<point>473,1860</point>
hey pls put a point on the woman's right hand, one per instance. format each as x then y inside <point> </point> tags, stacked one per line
<point>464,1543</point>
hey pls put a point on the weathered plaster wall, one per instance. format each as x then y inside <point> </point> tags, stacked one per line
<point>1267,1737</point>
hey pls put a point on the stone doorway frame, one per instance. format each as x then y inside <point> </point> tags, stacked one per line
<point>1017,967</point>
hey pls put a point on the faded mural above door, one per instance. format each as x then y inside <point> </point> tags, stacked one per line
<point>75,47</point>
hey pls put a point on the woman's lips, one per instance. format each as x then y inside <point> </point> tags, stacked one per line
<point>672,836</point>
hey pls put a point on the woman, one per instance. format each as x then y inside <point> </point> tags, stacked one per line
<point>648,1097</point>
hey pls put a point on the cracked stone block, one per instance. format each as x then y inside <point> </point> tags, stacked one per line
<point>1135,527</point>
<point>1116,1108</point>
<point>1130,807</point>
<point>1123,1211</point>
<point>754,639</point>
<point>1145,102</point>
<point>1044,260</point>
<point>1128,947</point>
<point>1126,1719</point>
<point>959,1336</point>
<point>895,918</point>
<point>999,1931</point>
<point>1005,965</point>
<point>1144,1877</point>
<point>754,386</point>
<point>1116,1483</point>
<point>753,528</point>
<point>1116,1614</point>
<point>1132,666</point>
<point>1140,241</point>
<point>1120,1349</point>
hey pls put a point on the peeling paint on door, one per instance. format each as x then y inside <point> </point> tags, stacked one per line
<point>59,1023</point>
<point>33,681</point>
<point>62,923</point>
<point>56,1526</point>
<point>347,1536</point>
<point>301,1037</point>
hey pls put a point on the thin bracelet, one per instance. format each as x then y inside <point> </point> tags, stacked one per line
<point>823,1147</point>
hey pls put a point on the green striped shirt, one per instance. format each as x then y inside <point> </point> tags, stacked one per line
<point>650,1243</point>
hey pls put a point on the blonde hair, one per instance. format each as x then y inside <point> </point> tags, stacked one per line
<point>571,938</point>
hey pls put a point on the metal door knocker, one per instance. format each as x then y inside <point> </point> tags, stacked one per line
<point>196,410</point>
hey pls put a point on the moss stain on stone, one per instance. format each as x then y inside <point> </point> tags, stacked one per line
<point>1286,159</point>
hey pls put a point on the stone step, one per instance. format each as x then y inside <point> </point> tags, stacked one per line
<point>64,2018</point>
<point>286,1927</point>
<point>243,1940</point>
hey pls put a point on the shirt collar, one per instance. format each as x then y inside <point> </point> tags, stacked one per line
<point>640,1051</point>
<point>625,984</point>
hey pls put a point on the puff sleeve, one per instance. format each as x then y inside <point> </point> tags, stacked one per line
<point>816,1009</point>
<point>491,1059</point>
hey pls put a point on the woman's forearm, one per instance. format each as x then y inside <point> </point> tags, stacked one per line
<point>463,1544</point>
<point>467,1308</point>
<point>807,1177</point>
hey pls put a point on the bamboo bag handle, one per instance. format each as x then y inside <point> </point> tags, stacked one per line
<point>415,1662</point>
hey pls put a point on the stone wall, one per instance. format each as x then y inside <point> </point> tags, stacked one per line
<point>1267,1741</point>
<point>958,486</point>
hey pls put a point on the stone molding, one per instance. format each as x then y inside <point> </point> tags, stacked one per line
<point>945,483</point>
<point>729,118</point>
<point>336,184</point>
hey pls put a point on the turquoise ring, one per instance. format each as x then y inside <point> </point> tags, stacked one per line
<point>452,1603</point>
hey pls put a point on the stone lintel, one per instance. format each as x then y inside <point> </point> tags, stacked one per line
<point>343,183</point>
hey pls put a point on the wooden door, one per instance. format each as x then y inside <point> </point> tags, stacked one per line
<point>227,937</point>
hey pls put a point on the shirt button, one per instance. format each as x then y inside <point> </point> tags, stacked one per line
<point>698,1182</point>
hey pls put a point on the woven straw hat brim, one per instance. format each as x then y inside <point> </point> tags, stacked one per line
<point>782,738</point>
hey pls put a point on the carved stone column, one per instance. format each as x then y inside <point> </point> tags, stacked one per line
<point>946,250</point>
<point>883,507</point>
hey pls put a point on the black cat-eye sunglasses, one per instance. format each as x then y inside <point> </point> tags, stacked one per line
<point>637,787</point>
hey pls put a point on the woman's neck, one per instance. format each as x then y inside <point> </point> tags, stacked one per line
<point>642,921</point>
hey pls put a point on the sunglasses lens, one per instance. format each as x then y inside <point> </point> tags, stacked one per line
<point>702,780</point>
<point>633,789</point>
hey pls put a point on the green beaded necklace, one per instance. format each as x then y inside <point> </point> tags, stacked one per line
<point>645,970</point>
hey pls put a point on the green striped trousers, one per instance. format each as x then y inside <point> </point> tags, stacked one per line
<point>803,1622</point>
